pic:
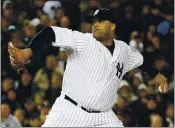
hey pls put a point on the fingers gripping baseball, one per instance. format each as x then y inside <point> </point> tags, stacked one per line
<point>161,82</point>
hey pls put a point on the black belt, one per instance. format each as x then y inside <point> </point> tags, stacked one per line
<point>75,103</point>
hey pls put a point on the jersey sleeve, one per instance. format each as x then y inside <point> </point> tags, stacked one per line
<point>135,59</point>
<point>148,67</point>
<point>71,41</point>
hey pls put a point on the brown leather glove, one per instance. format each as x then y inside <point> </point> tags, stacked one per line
<point>19,57</point>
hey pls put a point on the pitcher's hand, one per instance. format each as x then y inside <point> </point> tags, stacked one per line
<point>161,81</point>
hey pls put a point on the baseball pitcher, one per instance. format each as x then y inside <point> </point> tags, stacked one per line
<point>95,66</point>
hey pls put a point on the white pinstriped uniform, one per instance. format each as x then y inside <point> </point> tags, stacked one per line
<point>91,78</point>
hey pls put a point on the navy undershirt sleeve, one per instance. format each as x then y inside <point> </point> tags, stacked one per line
<point>148,67</point>
<point>43,39</point>
<point>40,44</point>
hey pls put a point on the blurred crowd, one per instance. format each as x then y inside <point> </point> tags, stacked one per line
<point>147,25</point>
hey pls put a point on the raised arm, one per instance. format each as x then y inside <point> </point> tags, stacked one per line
<point>73,41</point>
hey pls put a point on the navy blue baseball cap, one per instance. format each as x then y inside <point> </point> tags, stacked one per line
<point>104,14</point>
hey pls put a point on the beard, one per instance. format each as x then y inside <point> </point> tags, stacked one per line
<point>101,36</point>
<point>97,38</point>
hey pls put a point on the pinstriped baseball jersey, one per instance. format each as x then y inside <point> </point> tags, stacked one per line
<point>92,75</point>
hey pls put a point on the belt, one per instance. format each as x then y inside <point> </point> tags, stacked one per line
<point>75,103</point>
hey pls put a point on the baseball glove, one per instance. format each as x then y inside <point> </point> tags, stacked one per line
<point>19,57</point>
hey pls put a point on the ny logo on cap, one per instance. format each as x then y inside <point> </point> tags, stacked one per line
<point>96,12</point>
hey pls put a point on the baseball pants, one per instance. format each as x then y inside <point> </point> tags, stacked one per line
<point>66,114</point>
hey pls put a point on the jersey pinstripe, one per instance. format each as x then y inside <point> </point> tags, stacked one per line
<point>92,74</point>
<point>65,114</point>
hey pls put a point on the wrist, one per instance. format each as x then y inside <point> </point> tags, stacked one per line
<point>28,53</point>
<point>156,78</point>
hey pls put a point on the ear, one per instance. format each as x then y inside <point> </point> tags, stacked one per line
<point>113,26</point>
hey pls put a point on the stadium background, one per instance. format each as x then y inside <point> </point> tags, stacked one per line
<point>147,25</point>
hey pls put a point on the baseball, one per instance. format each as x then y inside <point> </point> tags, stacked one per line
<point>160,89</point>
